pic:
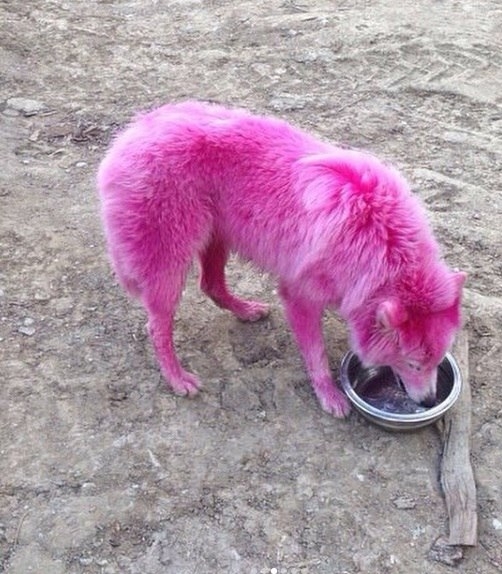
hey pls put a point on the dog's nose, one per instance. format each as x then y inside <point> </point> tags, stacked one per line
<point>429,401</point>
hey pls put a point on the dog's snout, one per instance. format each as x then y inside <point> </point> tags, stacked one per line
<point>429,401</point>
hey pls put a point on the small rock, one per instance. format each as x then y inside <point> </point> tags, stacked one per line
<point>28,321</point>
<point>25,106</point>
<point>41,296</point>
<point>62,306</point>
<point>287,102</point>
<point>365,560</point>
<point>81,164</point>
<point>497,524</point>
<point>11,113</point>
<point>404,503</point>
<point>114,541</point>
<point>85,560</point>
<point>118,394</point>
<point>28,331</point>
<point>445,553</point>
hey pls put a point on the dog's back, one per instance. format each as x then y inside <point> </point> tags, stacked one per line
<point>184,171</point>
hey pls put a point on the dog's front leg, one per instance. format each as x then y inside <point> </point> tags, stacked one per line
<point>305,319</point>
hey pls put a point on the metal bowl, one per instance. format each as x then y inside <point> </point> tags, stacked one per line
<point>378,394</point>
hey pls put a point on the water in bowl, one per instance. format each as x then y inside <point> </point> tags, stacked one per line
<point>380,388</point>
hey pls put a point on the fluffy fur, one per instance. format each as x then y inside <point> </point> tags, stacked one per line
<point>337,228</point>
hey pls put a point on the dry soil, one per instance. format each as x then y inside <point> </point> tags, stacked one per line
<point>102,469</point>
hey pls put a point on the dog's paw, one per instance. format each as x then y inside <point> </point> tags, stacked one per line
<point>334,402</point>
<point>252,311</point>
<point>186,384</point>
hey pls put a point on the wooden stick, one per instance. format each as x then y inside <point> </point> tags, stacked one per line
<point>457,478</point>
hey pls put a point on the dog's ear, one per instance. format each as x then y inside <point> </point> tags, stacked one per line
<point>323,177</point>
<point>391,314</point>
<point>446,290</point>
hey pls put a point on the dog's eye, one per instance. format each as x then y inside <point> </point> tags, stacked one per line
<point>414,366</point>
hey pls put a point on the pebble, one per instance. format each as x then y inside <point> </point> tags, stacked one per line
<point>497,524</point>
<point>41,296</point>
<point>442,552</point>
<point>85,561</point>
<point>25,106</point>
<point>288,102</point>
<point>28,331</point>
<point>10,113</point>
<point>404,503</point>
<point>365,561</point>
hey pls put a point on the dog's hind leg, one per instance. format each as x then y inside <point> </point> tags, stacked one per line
<point>212,281</point>
<point>160,298</point>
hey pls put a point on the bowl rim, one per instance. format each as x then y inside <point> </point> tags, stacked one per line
<point>383,416</point>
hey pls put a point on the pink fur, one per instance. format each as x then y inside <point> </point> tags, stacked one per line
<point>337,228</point>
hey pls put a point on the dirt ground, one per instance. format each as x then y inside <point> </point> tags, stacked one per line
<point>102,469</point>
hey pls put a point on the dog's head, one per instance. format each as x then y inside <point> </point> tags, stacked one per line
<point>411,330</point>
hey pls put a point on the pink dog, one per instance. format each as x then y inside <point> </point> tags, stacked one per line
<point>338,228</point>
